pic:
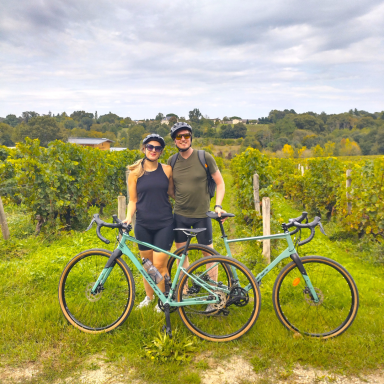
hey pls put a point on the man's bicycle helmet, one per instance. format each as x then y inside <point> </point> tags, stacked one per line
<point>154,137</point>
<point>177,127</point>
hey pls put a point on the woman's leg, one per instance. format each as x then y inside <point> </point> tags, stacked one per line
<point>148,255</point>
<point>163,239</point>
<point>160,260</point>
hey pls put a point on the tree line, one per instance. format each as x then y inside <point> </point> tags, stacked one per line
<point>283,132</point>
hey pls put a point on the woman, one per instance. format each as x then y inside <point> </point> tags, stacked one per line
<point>149,185</point>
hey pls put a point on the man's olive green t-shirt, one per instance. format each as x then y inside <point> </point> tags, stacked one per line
<point>191,187</point>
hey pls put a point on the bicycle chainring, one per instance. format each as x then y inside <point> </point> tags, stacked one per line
<point>161,305</point>
<point>238,296</point>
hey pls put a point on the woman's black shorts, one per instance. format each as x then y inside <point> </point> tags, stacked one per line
<point>162,238</point>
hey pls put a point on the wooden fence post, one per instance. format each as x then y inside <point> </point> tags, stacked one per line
<point>266,203</point>
<point>3,222</point>
<point>302,170</point>
<point>348,184</point>
<point>256,197</point>
<point>121,207</point>
<point>127,172</point>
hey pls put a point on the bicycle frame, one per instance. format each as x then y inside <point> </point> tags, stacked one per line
<point>288,252</point>
<point>122,248</point>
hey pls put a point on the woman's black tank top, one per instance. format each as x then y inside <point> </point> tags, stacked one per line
<point>153,209</point>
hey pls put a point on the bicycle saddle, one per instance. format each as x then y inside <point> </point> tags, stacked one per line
<point>191,232</point>
<point>214,215</point>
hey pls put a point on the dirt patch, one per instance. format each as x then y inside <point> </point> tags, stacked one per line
<point>19,374</point>
<point>239,371</point>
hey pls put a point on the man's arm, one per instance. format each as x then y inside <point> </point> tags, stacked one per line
<point>220,191</point>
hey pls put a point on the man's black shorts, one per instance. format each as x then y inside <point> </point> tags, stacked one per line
<point>204,237</point>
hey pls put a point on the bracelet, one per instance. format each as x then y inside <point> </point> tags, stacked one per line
<point>217,205</point>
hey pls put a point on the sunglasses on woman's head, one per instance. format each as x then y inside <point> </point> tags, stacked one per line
<point>157,148</point>
<point>185,135</point>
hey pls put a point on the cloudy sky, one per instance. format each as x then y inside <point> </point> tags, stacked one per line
<point>138,58</point>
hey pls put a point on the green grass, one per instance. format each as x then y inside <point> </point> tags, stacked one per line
<point>33,328</point>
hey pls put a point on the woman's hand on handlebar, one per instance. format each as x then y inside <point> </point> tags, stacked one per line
<point>127,221</point>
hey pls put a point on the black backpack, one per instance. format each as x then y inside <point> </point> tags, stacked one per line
<point>210,182</point>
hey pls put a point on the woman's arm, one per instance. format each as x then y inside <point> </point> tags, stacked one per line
<point>171,186</point>
<point>132,184</point>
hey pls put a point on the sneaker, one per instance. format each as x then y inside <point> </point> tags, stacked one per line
<point>144,303</point>
<point>157,309</point>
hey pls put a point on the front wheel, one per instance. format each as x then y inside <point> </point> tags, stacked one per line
<point>335,288</point>
<point>238,301</point>
<point>104,311</point>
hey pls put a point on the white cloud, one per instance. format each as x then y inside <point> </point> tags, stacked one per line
<point>139,58</point>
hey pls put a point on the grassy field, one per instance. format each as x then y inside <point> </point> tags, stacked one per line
<point>35,333</point>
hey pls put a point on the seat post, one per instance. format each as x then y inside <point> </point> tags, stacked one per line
<point>222,228</point>
<point>187,244</point>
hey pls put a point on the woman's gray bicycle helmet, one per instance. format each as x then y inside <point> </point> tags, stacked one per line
<point>154,137</point>
<point>177,127</point>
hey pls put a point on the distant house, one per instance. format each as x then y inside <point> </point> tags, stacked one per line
<point>165,120</point>
<point>116,149</point>
<point>103,144</point>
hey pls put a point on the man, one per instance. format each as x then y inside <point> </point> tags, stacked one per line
<point>192,198</point>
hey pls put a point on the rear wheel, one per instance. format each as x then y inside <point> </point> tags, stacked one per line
<point>104,311</point>
<point>335,288</point>
<point>238,303</point>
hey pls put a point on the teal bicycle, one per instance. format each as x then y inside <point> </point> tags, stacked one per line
<point>312,295</point>
<point>97,289</point>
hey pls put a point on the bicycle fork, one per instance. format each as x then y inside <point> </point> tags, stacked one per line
<point>99,285</point>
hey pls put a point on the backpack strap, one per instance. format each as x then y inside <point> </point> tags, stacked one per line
<point>173,160</point>
<point>201,155</point>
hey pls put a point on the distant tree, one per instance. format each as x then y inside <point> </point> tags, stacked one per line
<point>172,114</point>
<point>28,115</point>
<point>78,115</point>
<point>308,122</point>
<point>96,115</point>
<point>239,130</point>
<point>225,118</point>
<point>172,120</point>
<point>380,142</point>
<point>12,120</point>
<point>135,137</point>
<point>109,118</point>
<point>87,122</point>
<point>6,132</point>
<point>159,116</point>
<point>235,117</point>
<point>69,124</point>
<point>44,128</point>
<point>195,115</point>
<point>285,126</point>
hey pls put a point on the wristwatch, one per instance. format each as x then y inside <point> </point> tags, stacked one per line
<point>217,205</point>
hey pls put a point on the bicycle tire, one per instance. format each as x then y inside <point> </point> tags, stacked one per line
<point>336,289</point>
<point>238,312</point>
<point>195,252</point>
<point>104,311</point>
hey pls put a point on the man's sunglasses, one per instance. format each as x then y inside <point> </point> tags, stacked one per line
<point>185,135</point>
<point>157,148</point>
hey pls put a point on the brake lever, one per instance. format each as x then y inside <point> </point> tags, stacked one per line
<point>90,225</point>
<point>322,229</point>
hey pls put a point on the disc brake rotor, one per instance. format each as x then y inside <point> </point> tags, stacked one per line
<point>89,295</point>
<point>308,297</point>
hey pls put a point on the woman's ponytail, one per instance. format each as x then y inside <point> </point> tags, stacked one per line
<point>137,168</point>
